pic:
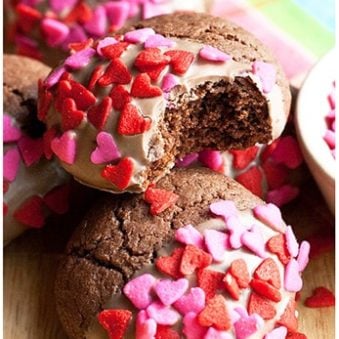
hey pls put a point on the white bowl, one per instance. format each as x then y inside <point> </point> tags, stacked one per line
<point>312,107</point>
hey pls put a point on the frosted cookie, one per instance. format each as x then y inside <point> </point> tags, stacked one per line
<point>33,186</point>
<point>123,109</point>
<point>196,256</point>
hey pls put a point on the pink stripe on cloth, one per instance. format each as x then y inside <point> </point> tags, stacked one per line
<point>294,59</point>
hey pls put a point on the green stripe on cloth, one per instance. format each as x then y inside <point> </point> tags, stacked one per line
<point>291,19</point>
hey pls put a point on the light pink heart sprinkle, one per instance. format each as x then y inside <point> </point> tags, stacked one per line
<point>215,334</point>
<point>106,150</point>
<point>98,23</point>
<point>267,74</point>
<point>139,35</point>
<point>145,328</point>
<point>216,243</point>
<point>117,13</point>
<point>54,31</point>
<point>168,82</point>
<point>211,159</point>
<point>254,241</point>
<point>65,147</point>
<point>236,229</point>
<point>213,54</point>
<point>192,329</point>
<point>170,291</point>
<point>163,315</point>
<point>104,43</point>
<point>329,138</point>
<point>277,333</point>
<point>235,316</point>
<point>55,76</point>
<point>194,301</point>
<point>10,131</point>
<point>189,235</point>
<point>245,327</point>
<point>303,256</point>
<point>282,195</point>
<point>187,160</point>
<point>292,279</point>
<point>30,149</point>
<point>80,59</point>
<point>138,290</point>
<point>270,215</point>
<point>291,242</point>
<point>287,152</point>
<point>158,40</point>
<point>224,208</point>
<point>11,164</point>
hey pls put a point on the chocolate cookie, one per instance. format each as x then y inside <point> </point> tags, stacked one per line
<point>135,264</point>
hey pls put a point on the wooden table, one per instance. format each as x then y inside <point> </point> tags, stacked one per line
<point>30,265</point>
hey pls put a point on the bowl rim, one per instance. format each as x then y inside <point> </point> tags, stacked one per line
<point>317,148</point>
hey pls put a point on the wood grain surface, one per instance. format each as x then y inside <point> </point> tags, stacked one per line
<point>30,264</point>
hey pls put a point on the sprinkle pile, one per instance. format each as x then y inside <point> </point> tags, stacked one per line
<point>211,289</point>
<point>329,136</point>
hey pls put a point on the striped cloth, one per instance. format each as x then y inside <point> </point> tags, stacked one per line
<point>298,31</point>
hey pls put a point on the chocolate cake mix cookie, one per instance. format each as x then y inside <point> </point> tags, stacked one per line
<point>196,256</point>
<point>33,185</point>
<point>121,110</point>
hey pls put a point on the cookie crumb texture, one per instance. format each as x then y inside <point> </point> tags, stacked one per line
<point>123,108</point>
<point>218,262</point>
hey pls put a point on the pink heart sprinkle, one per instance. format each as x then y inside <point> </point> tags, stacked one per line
<point>224,208</point>
<point>213,54</point>
<point>245,326</point>
<point>80,59</point>
<point>187,160</point>
<point>145,328</point>
<point>282,195</point>
<point>139,35</point>
<point>291,242</point>
<point>303,256</point>
<point>277,333</point>
<point>10,132</point>
<point>292,279</point>
<point>106,150</point>
<point>192,329</point>
<point>170,291</point>
<point>236,229</point>
<point>215,334</point>
<point>287,152</point>
<point>55,76</point>
<point>216,243</point>
<point>54,31</point>
<point>104,43</point>
<point>189,235</point>
<point>76,34</point>
<point>158,40</point>
<point>267,74</point>
<point>270,215</point>
<point>194,301</point>
<point>65,147</point>
<point>254,241</point>
<point>331,99</point>
<point>168,82</point>
<point>117,13</point>
<point>30,149</point>
<point>138,290</point>
<point>329,138</point>
<point>163,315</point>
<point>11,164</point>
<point>211,159</point>
<point>98,23</point>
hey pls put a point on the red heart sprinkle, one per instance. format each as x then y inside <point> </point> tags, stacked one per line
<point>155,72</point>
<point>159,199</point>
<point>79,46</point>
<point>31,213</point>
<point>209,281</point>
<point>142,87</point>
<point>80,13</point>
<point>252,180</point>
<point>231,286</point>
<point>276,175</point>
<point>115,50</point>
<point>150,59</point>
<point>131,122</point>
<point>268,271</point>
<point>321,297</point>
<point>98,115</point>
<point>193,258</point>
<point>44,100</point>
<point>265,289</point>
<point>66,76</point>
<point>295,335</point>
<point>170,265</point>
<point>57,199</point>
<point>242,158</point>
<point>215,314</point>
<point>240,272</point>
<point>261,306</point>
<point>96,75</point>
<point>120,175</point>
<point>47,138</point>
<point>268,150</point>
<point>165,332</point>
<point>115,322</point>
<point>70,116</point>
<point>28,17</point>
<point>120,97</point>
<point>116,73</point>
<point>288,318</point>
<point>180,61</point>
<point>277,245</point>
